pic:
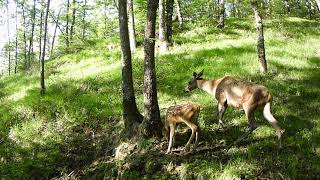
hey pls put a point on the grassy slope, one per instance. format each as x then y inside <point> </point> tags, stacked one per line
<point>75,125</point>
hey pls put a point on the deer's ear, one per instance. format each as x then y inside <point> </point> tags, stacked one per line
<point>194,74</point>
<point>200,74</point>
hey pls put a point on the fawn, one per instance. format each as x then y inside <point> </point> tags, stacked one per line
<point>184,113</point>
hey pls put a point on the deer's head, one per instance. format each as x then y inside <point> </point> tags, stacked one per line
<point>192,84</point>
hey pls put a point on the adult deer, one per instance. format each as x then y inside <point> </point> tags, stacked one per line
<point>184,113</point>
<point>239,94</point>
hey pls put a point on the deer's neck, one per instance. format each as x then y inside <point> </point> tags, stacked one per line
<point>209,86</point>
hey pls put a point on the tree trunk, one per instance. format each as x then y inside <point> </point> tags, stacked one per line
<point>308,3</point>
<point>8,28</point>
<point>67,26</point>
<point>131,24</point>
<point>169,9</point>
<point>162,27</point>
<point>151,125</point>
<point>221,15</point>
<point>30,51</point>
<point>178,9</point>
<point>24,36</point>
<point>318,5</point>
<point>131,114</point>
<point>42,85</point>
<point>40,38</point>
<point>83,20</point>
<point>16,53</point>
<point>105,18</point>
<point>286,6</point>
<point>73,20</point>
<point>260,40</point>
<point>269,7</point>
<point>55,33</point>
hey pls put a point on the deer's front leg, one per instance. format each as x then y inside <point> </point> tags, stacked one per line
<point>171,136</point>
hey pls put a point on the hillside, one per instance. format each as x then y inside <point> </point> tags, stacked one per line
<point>73,130</point>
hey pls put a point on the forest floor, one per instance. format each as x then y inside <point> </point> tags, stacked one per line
<point>73,132</point>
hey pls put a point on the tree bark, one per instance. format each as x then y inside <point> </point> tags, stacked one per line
<point>24,36</point>
<point>83,20</point>
<point>67,26</point>
<point>42,84</point>
<point>16,53</point>
<point>318,5</point>
<point>286,6</point>
<point>260,39</point>
<point>308,3</point>
<point>131,114</point>
<point>178,9</point>
<point>30,51</point>
<point>40,38</point>
<point>73,20</point>
<point>9,48</point>
<point>55,33</point>
<point>131,23</point>
<point>162,27</point>
<point>151,125</point>
<point>169,9</point>
<point>221,15</point>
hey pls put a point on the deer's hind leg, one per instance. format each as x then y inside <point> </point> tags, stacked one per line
<point>249,111</point>
<point>268,115</point>
<point>222,107</point>
<point>194,129</point>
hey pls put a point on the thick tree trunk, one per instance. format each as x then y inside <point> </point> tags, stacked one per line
<point>67,26</point>
<point>221,15</point>
<point>30,51</point>
<point>152,125</point>
<point>131,115</point>
<point>260,40</point>
<point>162,27</point>
<point>72,28</point>
<point>131,24</point>
<point>178,9</point>
<point>40,38</point>
<point>42,84</point>
<point>55,33</point>
<point>84,20</point>
<point>169,9</point>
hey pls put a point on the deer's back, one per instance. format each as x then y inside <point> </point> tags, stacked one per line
<point>237,92</point>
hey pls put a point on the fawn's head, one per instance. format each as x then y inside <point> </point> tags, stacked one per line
<point>192,84</point>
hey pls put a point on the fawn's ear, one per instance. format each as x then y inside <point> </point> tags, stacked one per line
<point>200,74</point>
<point>194,74</point>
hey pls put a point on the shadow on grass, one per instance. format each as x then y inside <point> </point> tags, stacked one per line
<point>72,125</point>
<point>296,105</point>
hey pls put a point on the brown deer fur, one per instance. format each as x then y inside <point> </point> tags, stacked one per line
<point>184,113</point>
<point>239,94</point>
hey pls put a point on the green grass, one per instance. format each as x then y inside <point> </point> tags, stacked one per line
<point>76,125</point>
